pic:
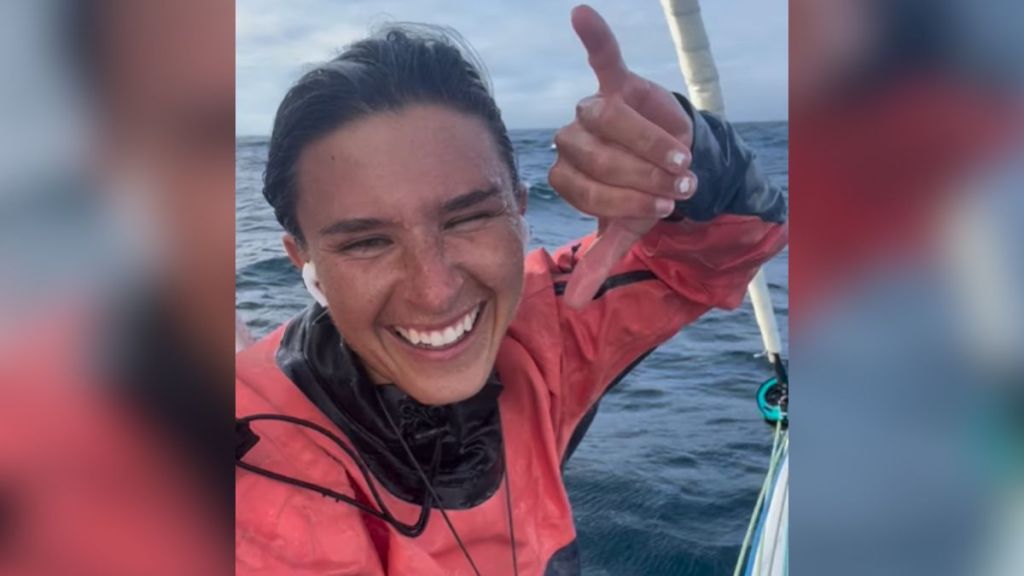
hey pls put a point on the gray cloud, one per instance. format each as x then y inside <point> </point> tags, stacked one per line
<point>536,63</point>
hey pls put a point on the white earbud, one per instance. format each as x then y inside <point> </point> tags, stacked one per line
<point>309,278</point>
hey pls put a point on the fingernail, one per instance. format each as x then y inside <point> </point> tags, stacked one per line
<point>684,186</point>
<point>664,206</point>
<point>676,158</point>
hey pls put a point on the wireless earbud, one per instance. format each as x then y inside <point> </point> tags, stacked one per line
<point>309,278</point>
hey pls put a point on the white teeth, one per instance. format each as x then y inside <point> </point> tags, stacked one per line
<point>439,338</point>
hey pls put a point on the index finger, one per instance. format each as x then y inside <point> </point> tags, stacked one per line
<point>602,48</point>
<point>614,121</point>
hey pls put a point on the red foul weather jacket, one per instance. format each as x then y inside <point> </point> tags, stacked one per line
<point>344,495</point>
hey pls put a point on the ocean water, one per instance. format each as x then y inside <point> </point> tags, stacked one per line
<point>666,478</point>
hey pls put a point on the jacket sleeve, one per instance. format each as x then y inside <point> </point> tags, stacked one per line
<point>702,256</point>
<point>729,178</point>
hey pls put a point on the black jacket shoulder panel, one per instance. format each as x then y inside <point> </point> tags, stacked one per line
<point>729,178</point>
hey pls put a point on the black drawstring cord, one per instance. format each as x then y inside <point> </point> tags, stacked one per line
<point>249,439</point>
<point>430,488</point>
<point>409,530</point>
<point>508,508</point>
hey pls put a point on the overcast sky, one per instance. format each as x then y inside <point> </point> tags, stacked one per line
<point>537,65</point>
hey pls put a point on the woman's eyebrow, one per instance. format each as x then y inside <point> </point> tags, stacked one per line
<point>469,199</point>
<point>353,226</point>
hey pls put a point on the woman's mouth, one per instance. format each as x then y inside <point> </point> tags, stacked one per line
<point>444,337</point>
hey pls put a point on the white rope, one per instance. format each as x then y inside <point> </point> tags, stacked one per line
<point>779,445</point>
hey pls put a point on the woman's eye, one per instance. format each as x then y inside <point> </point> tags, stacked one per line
<point>365,246</point>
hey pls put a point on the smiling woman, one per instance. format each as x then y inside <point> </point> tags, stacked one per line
<point>441,380</point>
<point>414,232</point>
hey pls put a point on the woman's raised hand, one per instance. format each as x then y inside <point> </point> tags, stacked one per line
<point>625,158</point>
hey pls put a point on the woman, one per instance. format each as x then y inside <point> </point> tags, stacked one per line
<point>442,379</point>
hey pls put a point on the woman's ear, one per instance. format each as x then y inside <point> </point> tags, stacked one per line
<point>524,232</point>
<point>296,252</point>
<point>524,228</point>
<point>521,194</point>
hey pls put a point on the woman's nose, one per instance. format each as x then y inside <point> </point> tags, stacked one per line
<point>432,282</point>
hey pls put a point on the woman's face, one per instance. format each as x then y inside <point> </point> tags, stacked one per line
<point>412,223</point>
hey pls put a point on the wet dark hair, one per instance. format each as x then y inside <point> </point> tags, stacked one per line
<point>396,67</point>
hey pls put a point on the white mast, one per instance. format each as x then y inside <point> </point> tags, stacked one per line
<point>698,66</point>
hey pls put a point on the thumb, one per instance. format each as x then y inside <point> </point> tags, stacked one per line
<point>595,266</point>
<point>602,48</point>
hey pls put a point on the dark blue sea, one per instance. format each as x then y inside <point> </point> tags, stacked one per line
<point>666,479</point>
